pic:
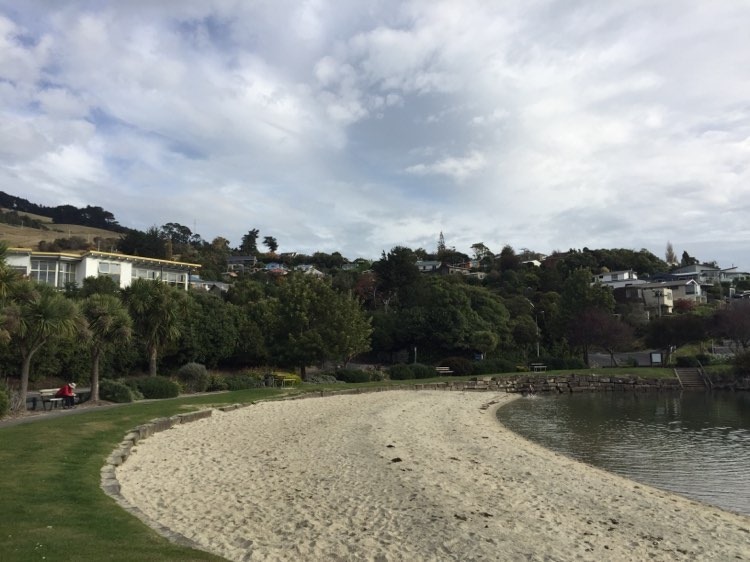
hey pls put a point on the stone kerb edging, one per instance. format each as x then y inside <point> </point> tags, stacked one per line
<point>111,486</point>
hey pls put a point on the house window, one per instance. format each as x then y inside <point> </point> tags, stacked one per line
<point>143,273</point>
<point>690,289</point>
<point>66,273</point>
<point>43,271</point>
<point>173,278</point>
<point>615,276</point>
<point>111,270</point>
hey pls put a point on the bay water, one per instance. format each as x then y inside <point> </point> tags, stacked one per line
<point>693,443</point>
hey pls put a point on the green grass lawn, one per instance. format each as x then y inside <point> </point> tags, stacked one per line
<point>51,506</point>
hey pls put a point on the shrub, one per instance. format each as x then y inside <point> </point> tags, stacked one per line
<point>242,381</point>
<point>494,367</point>
<point>352,375</point>
<point>132,384</point>
<point>704,358</point>
<point>322,378</point>
<point>157,387</point>
<point>216,383</point>
<point>742,364</point>
<point>4,401</point>
<point>686,361</point>
<point>194,377</point>
<point>400,372</point>
<point>115,391</point>
<point>459,365</point>
<point>420,371</point>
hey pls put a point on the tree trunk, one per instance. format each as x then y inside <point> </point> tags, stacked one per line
<point>303,372</point>
<point>152,361</point>
<point>25,370</point>
<point>95,376</point>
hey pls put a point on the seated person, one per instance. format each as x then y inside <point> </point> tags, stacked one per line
<point>67,393</point>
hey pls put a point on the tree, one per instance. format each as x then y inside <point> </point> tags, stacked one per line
<point>177,233</point>
<point>270,243</point>
<point>480,250</point>
<point>149,244</point>
<point>441,245</point>
<point>483,341</point>
<point>314,323</point>
<point>155,309</point>
<point>37,314</point>
<point>108,325</point>
<point>249,244</point>
<point>670,257</point>
<point>395,272</point>
<point>508,259</point>
<point>670,332</point>
<point>733,323</point>
<point>687,259</point>
<point>209,332</point>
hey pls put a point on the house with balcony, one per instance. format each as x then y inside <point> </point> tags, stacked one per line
<point>657,298</point>
<point>59,269</point>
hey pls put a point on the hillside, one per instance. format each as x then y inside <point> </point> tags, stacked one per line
<point>25,237</point>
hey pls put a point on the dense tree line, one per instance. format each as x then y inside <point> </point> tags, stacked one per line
<point>388,312</point>
<point>64,214</point>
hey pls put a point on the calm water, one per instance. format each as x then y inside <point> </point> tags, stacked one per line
<point>696,444</point>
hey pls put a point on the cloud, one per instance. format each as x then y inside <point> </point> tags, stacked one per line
<point>360,126</point>
<point>459,169</point>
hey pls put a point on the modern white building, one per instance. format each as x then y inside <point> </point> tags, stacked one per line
<point>61,268</point>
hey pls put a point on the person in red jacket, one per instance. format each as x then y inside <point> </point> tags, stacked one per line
<point>67,393</point>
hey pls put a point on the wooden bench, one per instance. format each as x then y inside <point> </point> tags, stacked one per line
<point>47,396</point>
<point>443,371</point>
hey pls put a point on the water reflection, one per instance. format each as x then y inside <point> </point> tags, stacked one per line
<point>695,444</point>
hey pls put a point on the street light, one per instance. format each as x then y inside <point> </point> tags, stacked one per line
<point>536,321</point>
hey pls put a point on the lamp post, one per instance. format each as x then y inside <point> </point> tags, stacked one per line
<point>536,322</point>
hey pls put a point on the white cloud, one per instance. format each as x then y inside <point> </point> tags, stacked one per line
<point>458,169</point>
<point>359,126</point>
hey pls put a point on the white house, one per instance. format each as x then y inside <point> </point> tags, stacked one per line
<point>617,279</point>
<point>61,268</point>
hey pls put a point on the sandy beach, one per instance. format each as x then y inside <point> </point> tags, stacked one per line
<point>405,475</point>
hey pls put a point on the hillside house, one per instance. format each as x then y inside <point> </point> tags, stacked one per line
<point>61,268</point>
<point>617,279</point>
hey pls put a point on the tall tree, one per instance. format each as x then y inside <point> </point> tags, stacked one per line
<point>314,323</point>
<point>670,257</point>
<point>109,324</point>
<point>155,309</point>
<point>249,244</point>
<point>441,245</point>
<point>270,243</point>
<point>37,314</point>
<point>395,271</point>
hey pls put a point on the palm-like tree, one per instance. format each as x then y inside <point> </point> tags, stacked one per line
<point>155,309</point>
<point>36,315</point>
<point>108,324</point>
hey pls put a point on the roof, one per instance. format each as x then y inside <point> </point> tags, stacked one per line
<point>106,255</point>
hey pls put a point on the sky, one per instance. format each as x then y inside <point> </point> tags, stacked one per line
<point>362,125</point>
